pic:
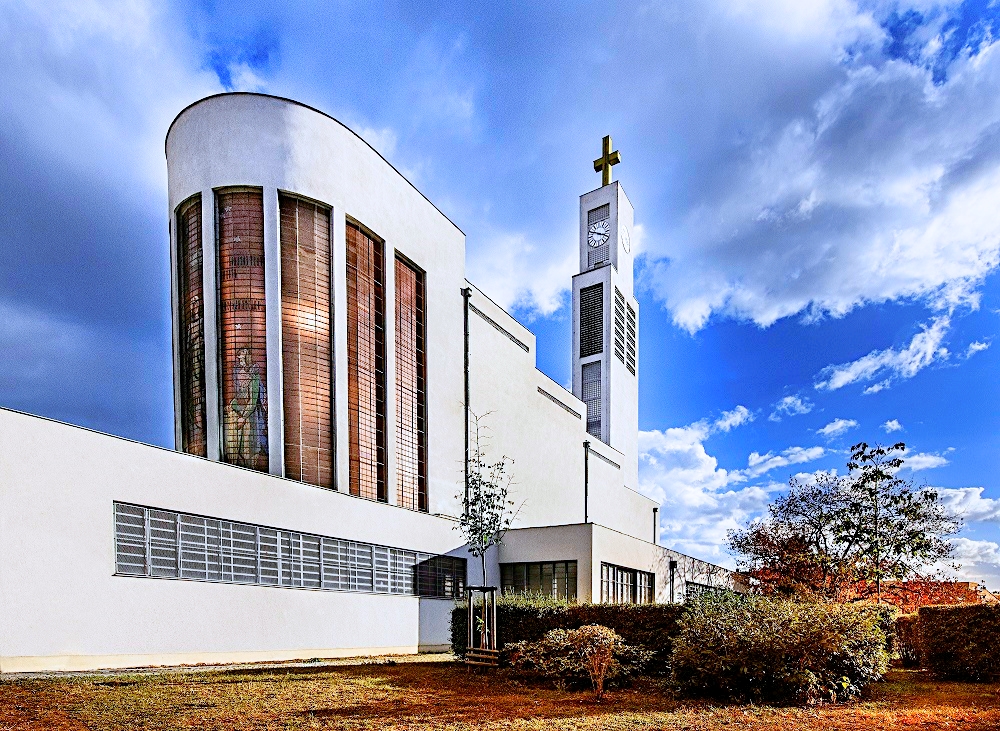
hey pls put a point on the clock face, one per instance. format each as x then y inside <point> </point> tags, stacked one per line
<point>597,234</point>
<point>623,237</point>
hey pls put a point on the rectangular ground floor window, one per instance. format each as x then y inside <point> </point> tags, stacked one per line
<point>556,579</point>
<point>171,545</point>
<point>621,585</point>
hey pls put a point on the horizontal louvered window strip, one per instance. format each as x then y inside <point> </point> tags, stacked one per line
<point>167,544</point>
<point>592,320</point>
<point>630,352</point>
<point>619,326</point>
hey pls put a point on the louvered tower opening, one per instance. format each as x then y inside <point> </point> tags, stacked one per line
<point>592,320</point>
<point>591,377</point>
<point>619,325</point>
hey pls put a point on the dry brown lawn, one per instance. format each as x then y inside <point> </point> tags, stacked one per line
<point>448,696</point>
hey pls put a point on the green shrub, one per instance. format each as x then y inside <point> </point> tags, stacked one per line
<point>887,614</point>
<point>761,649</point>
<point>521,618</point>
<point>908,640</point>
<point>590,655</point>
<point>960,641</point>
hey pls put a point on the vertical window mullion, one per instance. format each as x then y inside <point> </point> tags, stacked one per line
<point>147,535</point>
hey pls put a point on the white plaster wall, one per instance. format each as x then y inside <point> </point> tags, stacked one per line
<point>614,547</point>
<point>590,545</point>
<point>554,543</point>
<point>544,440</point>
<point>61,607</point>
<point>279,145</point>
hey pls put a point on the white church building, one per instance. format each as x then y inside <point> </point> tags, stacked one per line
<point>330,360</point>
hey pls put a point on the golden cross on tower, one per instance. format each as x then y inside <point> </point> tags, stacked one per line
<point>606,160</point>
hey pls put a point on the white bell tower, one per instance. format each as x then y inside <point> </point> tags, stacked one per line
<point>606,319</point>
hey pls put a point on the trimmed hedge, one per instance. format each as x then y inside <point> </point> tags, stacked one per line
<point>761,649</point>
<point>527,619</point>
<point>908,640</point>
<point>959,642</point>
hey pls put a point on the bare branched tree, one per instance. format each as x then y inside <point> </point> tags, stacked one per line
<point>487,510</point>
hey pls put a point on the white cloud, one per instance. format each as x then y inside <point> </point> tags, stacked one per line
<point>874,185</point>
<point>513,271</point>
<point>90,82</point>
<point>976,347</point>
<point>244,78</point>
<point>759,464</point>
<point>923,461</point>
<point>790,406</point>
<point>699,502</point>
<point>892,425</point>
<point>384,139</point>
<point>924,349</point>
<point>970,504</point>
<point>837,427</point>
<point>980,560</point>
<point>737,417</point>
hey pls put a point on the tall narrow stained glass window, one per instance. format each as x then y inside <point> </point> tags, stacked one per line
<point>242,328</point>
<point>366,364</point>
<point>411,397</point>
<point>191,306</point>
<point>305,341</point>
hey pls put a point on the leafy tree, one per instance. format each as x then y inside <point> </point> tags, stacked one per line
<point>842,538</point>
<point>897,529</point>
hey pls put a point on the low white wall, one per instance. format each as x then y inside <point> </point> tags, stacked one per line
<point>61,607</point>
<point>590,545</point>
<point>623,550</point>
<point>553,543</point>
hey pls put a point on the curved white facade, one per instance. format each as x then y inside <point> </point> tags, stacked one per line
<point>275,145</point>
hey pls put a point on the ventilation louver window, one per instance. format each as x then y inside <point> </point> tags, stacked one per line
<point>631,341</point>
<point>598,255</point>
<point>592,320</point>
<point>166,544</point>
<point>591,377</point>
<point>619,326</point>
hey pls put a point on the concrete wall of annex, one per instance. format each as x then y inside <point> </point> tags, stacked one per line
<point>62,607</point>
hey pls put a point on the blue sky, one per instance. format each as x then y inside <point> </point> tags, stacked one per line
<point>816,189</point>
